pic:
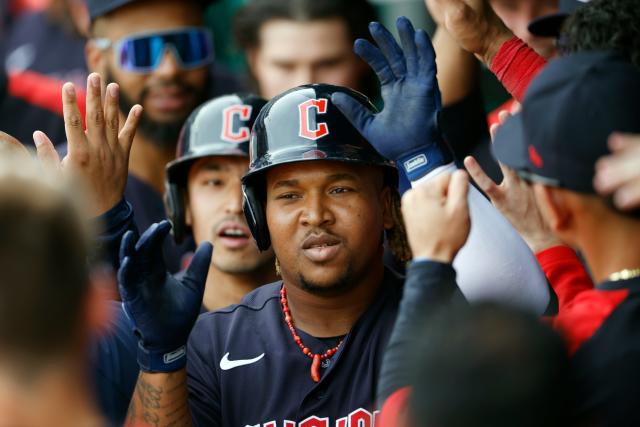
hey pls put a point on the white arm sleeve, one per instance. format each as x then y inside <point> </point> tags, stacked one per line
<point>495,263</point>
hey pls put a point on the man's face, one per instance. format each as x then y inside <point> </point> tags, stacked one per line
<point>214,212</point>
<point>292,53</point>
<point>326,221</point>
<point>517,14</point>
<point>168,93</point>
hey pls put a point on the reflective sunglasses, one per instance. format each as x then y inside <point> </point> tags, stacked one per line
<point>143,52</point>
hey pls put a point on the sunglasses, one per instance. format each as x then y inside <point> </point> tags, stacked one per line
<point>143,52</point>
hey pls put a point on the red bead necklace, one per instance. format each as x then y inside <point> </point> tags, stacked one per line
<point>316,358</point>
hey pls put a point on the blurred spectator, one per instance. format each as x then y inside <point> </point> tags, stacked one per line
<point>293,42</point>
<point>489,365</point>
<point>42,48</point>
<point>48,320</point>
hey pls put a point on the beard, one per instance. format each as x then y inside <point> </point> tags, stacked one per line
<point>162,134</point>
<point>339,286</point>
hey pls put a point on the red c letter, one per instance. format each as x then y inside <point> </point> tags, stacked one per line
<point>243,112</point>
<point>305,127</point>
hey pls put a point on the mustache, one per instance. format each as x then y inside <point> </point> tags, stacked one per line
<point>168,84</point>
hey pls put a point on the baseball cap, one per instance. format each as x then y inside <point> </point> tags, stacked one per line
<point>550,25</point>
<point>99,8</point>
<point>567,115</point>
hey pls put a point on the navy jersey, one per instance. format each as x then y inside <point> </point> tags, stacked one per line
<point>244,368</point>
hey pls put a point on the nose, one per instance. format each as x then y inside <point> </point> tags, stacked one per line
<point>234,200</point>
<point>303,76</point>
<point>168,66</point>
<point>316,212</point>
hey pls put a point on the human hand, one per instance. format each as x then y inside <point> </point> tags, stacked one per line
<point>99,156</point>
<point>435,11</point>
<point>619,172</point>
<point>407,128</point>
<point>162,308</point>
<point>436,217</point>
<point>475,26</point>
<point>9,146</point>
<point>515,200</point>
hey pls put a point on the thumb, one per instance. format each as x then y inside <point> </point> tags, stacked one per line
<point>358,115</point>
<point>458,191</point>
<point>47,154</point>
<point>196,275</point>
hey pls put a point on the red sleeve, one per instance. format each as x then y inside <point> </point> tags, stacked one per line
<point>41,91</point>
<point>582,309</point>
<point>394,410</point>
<point>516,65</point>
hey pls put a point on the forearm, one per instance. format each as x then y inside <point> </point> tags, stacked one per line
<point>515,64</point>
<point>457,68</point>
<point>495,263</point>
<point>566,274</point>
<point>160,399</point>
<point>112,225</point>
<point>429,286</point>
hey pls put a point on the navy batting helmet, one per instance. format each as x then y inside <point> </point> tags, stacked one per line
<point>219,127</point>
<point>300,125</point>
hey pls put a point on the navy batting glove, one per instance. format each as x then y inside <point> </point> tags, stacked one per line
<point>163,309</point>
<point>407,128</point>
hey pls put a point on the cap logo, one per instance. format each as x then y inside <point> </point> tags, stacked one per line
<point>232,120</point>
<point>314,130</point>
<point>535,157</point>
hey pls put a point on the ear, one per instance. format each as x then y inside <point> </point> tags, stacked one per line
<point>187,212</point>
<point>96,58</point>
<point>386,198</point>
<point>554,207</point>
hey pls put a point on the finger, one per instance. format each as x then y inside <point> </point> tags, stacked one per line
<point>492,130</point>
<point>376,60</point>
<point>620,141</point>
<point>127,286</point>
<point>508,173</point>
<point>613,171</point>
<point>357,114</point>
<point>127,244</point>
<point>426,55</point>
<point>10,145</point>
<point>407,38</point>
<point>196,275</point>
<point>112,114</point>
<point>151,240</point>
<point>95,113</point>
<point>628,196</point>
<point>128,132</point>
<point>503,116</point>
<point>389,48</point>
<point>46,152</point>
<point>483,181</point>
<point>457,192</point>
<point>76,140</point>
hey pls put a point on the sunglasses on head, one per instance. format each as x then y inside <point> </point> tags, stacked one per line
<point>143,53</point>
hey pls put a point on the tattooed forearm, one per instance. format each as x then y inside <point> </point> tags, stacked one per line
<point>160,400</point>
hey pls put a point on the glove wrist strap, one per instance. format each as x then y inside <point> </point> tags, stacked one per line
<point>421,161</point>
<point>156,361</point>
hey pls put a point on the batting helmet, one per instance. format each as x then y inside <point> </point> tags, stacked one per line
<point>300,125</point>
<point>219,127</point>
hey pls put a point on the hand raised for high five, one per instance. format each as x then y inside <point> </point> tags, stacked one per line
<point>99,155</point>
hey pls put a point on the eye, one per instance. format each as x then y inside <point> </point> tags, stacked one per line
<point>340,190</point>
<point>214,182</point>
<point>287,196</point>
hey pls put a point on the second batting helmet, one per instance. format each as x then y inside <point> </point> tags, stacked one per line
<point>300,125</point>
<point>219,127</point>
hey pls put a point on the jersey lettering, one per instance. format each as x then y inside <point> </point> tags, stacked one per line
<point>233,133</point>
<point>358,418</point>
<point>319,129</point>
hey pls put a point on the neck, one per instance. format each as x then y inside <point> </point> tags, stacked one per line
<point>333,315</point>
<point>224,289</point>
<point>610,247</point>
<point>147,162</point>
<point>57,396</point>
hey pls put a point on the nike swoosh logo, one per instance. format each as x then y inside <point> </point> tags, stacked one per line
<point>226,364</point>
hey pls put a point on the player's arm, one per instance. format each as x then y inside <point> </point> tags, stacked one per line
<point>495,263</point>
<point>437,222</point>
<point>163,311</point>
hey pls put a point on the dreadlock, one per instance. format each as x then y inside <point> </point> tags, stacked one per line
<point>397,236</point>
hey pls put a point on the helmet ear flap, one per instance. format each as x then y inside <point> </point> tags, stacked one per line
<point>174,205</point>
<point>256,218</point>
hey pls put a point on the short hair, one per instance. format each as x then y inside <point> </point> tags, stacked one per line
<point>43,265</point>
<point>604,25</point>
<point>489,365</point>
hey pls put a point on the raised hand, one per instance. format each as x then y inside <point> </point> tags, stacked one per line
<point>407,128</point>
<point>99,156</point>
<point>162,308</point>
<point>619,172</point>
<point>437,217</point>
<point>9,146</point>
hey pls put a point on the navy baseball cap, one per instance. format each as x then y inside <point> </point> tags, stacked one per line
<point>550,25</point>
<point>99,8</point>
<point>567,115</point>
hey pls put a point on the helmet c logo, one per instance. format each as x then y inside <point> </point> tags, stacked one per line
<point>321,129</point>
<point>241,134</point>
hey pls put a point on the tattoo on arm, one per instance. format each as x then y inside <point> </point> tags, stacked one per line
<point>160,400</point>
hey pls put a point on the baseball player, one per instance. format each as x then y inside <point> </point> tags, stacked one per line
<point>306,349</point>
